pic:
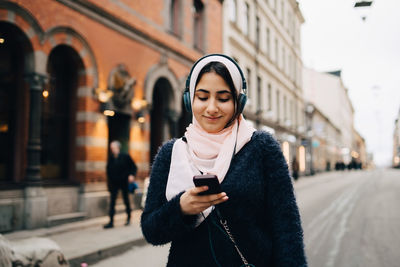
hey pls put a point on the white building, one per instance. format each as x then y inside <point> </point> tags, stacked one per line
<point>328,94</point>
<point>263,36</point>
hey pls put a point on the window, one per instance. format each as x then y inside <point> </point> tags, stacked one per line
<point>284,109</point>
<point>276,52</point>
<point>175,17</point>
<point>269,97</point>
<point>259,97</point>
<point>278,106</point>
<point>293,28</point>
<point>247,20</point>
<point>257,32</point>
<point>198,25</point>
<point>292,112</point>
<point>282,12</point>
<point>267,47</point>
<point>283,59</point>
<point>248,82</point>
<point>233,10</point>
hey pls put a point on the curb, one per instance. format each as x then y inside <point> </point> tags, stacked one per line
<point>96,256</point>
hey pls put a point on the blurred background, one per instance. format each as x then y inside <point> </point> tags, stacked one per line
<point>323,78</point>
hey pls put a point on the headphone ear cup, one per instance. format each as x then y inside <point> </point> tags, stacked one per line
<point>186,101</point>
<point>242,102</point>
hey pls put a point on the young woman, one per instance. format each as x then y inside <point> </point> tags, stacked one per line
<point>255,220</point>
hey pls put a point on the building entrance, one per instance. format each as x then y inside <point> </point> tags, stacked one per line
<point>14,102</point>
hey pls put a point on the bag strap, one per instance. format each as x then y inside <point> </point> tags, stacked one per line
<point>225,226</point>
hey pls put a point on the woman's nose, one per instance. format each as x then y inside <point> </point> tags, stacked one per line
<point>212,106</point>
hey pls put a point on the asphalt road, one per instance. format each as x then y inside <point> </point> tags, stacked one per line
<point>350,218</point>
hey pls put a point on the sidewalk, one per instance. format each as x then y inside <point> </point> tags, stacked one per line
<point>87,241</point>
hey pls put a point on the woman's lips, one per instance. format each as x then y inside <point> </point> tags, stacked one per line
<point>211,118</point>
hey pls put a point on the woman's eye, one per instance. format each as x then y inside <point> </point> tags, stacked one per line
<point>202,98</point>
<point>224,99</point>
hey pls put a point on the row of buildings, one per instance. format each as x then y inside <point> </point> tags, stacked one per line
<point>396,142</point>
<point>77,74</point>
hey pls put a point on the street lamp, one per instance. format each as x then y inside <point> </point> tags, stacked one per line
<point>363,6</point>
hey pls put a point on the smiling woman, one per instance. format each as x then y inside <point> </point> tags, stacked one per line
<point>213,104</point>
<point>254,221</point>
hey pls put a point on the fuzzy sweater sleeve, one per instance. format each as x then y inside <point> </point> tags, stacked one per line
<point>287,233</point>
<point>162,221</point>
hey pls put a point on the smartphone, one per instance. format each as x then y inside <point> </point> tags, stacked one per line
<point>209,180</point>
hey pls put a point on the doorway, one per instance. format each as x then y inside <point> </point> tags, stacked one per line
<point>59,113</point>
<point>162,125</point>
<point>14,102</point>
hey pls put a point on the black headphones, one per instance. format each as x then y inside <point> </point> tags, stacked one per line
<point>242,98</point>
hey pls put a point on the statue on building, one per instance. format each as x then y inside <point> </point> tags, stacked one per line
<point>121,85</point>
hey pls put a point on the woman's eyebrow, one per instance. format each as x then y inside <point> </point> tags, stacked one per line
<point>224,92</point>
<point>218,92</point>
<point>203,90</point>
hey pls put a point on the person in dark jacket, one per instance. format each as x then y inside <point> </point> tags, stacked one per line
<point>257,206</point>
<point>121,171</point>
<point>295,168</point>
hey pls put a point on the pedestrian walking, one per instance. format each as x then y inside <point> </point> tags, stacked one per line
<point>254,220</point>
<point>295,168</point>
<point>121,171</point>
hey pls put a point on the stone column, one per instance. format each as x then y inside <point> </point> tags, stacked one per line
<point>35,212</point>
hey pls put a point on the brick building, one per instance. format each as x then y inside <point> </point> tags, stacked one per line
<point>75,75</point>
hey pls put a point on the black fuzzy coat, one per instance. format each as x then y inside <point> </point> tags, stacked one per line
<point>261,212</point>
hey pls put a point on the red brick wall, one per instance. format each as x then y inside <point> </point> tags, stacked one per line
<point>107,48</point>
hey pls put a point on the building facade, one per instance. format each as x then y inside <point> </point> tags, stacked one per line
<point>326,92</point>
<point>396,143</point>
<point>323,150</point>
<point>264,38</point>
<point>359,152</point>
<point>76,75</point>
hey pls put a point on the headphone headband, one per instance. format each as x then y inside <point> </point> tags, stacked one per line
<point>187,99</point>
<point>244,84</point>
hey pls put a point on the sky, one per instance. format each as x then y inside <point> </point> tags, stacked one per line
<point>334,36</point>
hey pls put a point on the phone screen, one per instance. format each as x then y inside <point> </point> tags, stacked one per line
<point>209,180</point>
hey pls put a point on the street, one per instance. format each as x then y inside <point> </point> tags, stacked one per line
<point>349,218</point>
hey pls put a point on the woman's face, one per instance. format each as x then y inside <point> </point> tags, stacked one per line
<point>213,104</point>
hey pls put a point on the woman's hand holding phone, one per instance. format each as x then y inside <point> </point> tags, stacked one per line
<point>192,203</point>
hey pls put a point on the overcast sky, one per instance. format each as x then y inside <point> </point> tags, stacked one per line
<point>334,36</point>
